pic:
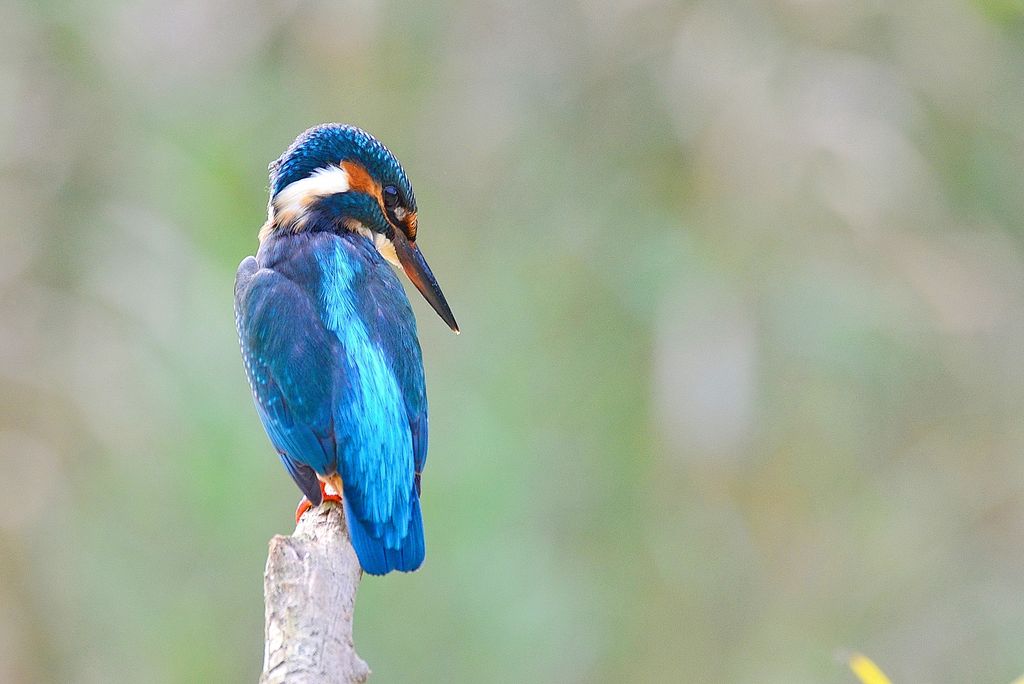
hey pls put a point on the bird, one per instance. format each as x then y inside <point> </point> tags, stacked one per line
<point>329,340</point>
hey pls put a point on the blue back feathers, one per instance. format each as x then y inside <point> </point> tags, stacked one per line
<point>330,348</point>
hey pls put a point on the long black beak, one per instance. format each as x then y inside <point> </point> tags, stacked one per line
<point>415,266</point>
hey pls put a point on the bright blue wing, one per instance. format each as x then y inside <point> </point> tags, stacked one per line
<point>394,329</point>
<point>362,304</point>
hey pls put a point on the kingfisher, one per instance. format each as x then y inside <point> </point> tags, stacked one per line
<point>329,341</point>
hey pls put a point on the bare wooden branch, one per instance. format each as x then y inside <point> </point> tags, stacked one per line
<point>310,593</point>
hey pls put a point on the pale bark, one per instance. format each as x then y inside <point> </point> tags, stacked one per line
<point>310,592</point>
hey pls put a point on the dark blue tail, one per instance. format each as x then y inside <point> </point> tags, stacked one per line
<point>377,559</point>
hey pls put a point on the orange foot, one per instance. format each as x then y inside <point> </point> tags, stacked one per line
<point>305,504</point>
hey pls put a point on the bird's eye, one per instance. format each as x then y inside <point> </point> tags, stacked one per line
<point>390,196</point>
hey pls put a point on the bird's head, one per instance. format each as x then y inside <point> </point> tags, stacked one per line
<point>340,178</point>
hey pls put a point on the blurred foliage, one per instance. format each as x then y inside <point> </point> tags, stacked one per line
<point>742,373</point>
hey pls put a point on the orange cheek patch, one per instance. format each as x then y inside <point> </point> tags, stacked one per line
<point>360,180</point>
<point>411,223</point>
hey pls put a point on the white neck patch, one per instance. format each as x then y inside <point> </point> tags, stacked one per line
<point>291,204</point>
<point>385,247</point>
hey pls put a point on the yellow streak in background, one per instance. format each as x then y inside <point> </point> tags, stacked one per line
<point>866,670</point>
<point>869,673</point>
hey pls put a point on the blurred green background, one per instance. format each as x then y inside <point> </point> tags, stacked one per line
<point>741,379</point>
